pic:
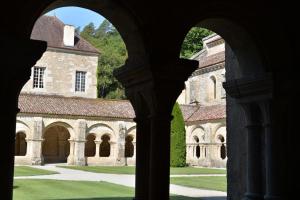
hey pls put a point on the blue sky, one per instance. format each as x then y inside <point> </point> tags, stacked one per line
<point>77,16</point>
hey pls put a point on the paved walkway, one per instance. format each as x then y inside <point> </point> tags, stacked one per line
<point>121,179</point>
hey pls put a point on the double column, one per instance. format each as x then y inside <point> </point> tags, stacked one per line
<point>16,72</point>
<point>263,167</point>
<point>153,91</point>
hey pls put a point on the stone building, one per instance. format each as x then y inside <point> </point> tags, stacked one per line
<point>203,104</point>
<point>60,119</point>
<point>262,85</point>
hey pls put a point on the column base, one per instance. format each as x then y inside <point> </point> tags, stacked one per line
<point>37,161</point>
<point>253,196</point>
<point>270,197</point>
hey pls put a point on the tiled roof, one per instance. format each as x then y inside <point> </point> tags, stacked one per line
<point>188,110</point>
<point>51,30</point>
<point>58,105</point>
<point>77,106</point>
<point>205,61</point>
<point>204,113</point>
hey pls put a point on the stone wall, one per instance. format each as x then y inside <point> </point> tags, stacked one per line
<point>78,130</point>
<point>61,67</point>
<point>206,135</point>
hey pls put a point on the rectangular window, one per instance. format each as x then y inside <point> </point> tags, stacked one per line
<point>80,81</point>
<point>38,77</point>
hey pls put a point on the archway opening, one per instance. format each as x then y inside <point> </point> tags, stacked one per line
<point>223,153</point>
<point>90,146</point>
<point>56,147</point>
<point>20,144</point>
<point>129,147</point>
<point>104,150</point>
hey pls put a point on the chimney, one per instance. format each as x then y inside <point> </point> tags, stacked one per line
<point>69,35</point>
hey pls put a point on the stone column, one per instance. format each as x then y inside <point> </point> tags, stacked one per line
<point>271,151</point>
<point>120,157</point>
<point>153,89</point>
<point>79,158</point>
<point>134,150</point>
<point>36,142</point>
<point>97,154</point>
<point>70,159</point>
<point>16,72</point>
<point>254,156</point>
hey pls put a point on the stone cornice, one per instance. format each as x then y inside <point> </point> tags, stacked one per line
<point>250,89</point>
<point>208,69</point>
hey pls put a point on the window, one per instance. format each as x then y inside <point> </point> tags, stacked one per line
<point>38,77</point>
<point>80,81</point>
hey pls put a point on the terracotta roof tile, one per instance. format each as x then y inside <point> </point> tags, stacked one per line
<point>206,61</point>
<point>204,113</point>
<point>76,106</point>
<point>58,105</point>
<point>51,30</point>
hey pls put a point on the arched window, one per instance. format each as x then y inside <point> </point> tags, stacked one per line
<point>129,147</point>
<point>20,144</point>
<point>105,146</point>
<point>214,87</point>
<point>90,146</point>
<point>196,139</point>
<point>223,148</point>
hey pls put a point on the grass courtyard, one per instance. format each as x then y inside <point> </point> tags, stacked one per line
<point>131,170</point>
<point>30,171</point>
<point>70,190</point>
<point>28,189</point>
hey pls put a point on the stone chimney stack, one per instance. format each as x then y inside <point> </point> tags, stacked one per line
<point>69,35</point>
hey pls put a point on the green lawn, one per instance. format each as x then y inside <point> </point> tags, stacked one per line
<point>30,171</point>
<point>131,170</point>
<point>203,182</point>
<point>67,190</point>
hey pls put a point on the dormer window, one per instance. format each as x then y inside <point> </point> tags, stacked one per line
<point>38,77</point>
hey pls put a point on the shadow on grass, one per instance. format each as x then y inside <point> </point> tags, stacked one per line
<point>131,198</point>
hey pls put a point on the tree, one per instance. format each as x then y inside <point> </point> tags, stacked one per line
<point>178,146</point>
<point>88,31</point>
<point>193,41</point>
<point>113,54</point>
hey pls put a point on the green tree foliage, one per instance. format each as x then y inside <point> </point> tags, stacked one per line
<point>178,146</point>
<point>193,41</point>
<point>113,54</point>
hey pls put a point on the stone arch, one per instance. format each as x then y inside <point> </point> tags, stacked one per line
<point>105,147</point>
<point>221,131</point>
<point>199,132</point>
<point>20,144</point>
<point>56,145</point>
<point>101,129</point>
<point>251,61</point>
<point>62,124</point>
<point>118,15</point>
<point>132,132</point>
<point>23,127</point>
<point>90,145</point>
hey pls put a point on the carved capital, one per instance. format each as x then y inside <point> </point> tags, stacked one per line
<point>250,89</point>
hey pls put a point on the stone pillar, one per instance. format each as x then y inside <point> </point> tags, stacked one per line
<point>254,155</point>
<point>36,142</point>
<point>120,157</point>
<point>79,143</point>
<point>153,89</point>
<point>97,153</point>
<point>134,150</point>
<point>70,159</point>
<point>16,72</point>
<point>272,149</point>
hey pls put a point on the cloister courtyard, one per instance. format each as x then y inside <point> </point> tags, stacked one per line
<point>109,183</point>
